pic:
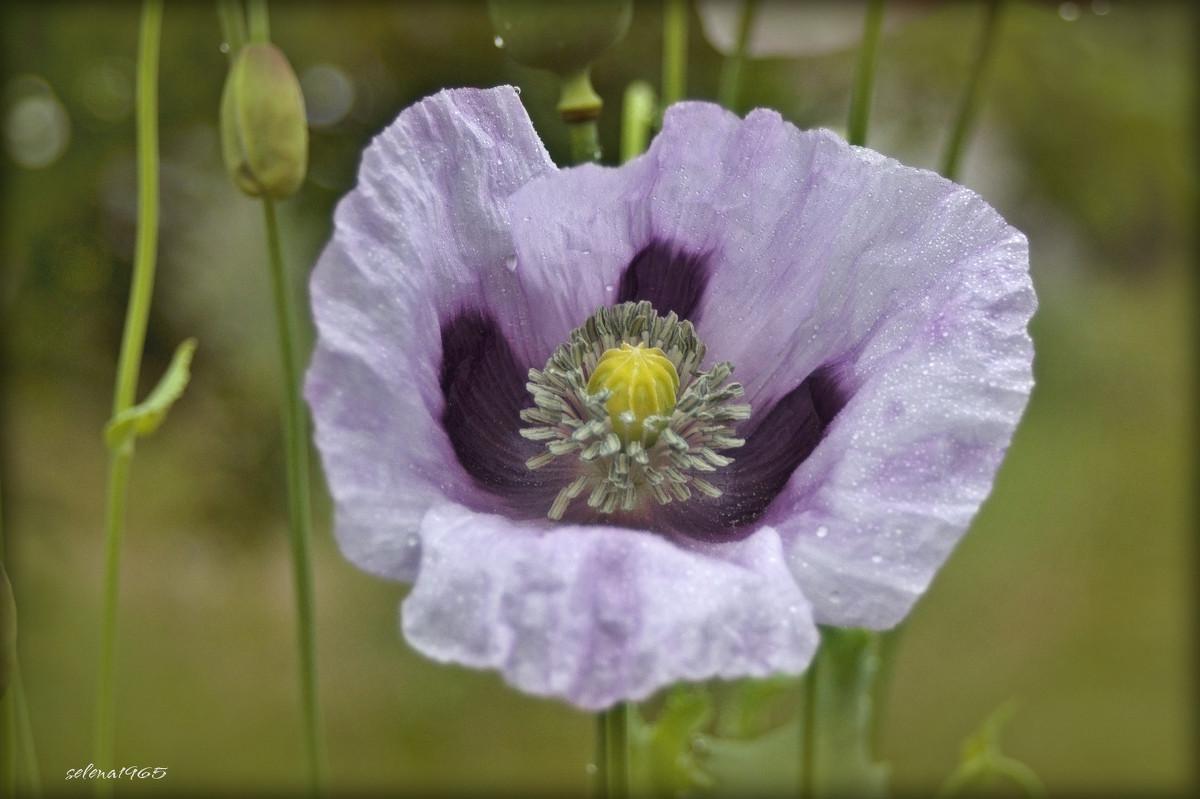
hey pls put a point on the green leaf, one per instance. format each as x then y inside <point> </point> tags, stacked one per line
<point>147,415</point>
<point>664,760</point>
<point>766,765</point>
<point>983,765</point>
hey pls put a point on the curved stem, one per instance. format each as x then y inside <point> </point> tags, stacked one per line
<point>300,522</point>
<point>968,109</point>
<point>146,247</point>
<point>128,366</point>
<point>731,68</point>
<point>864,75</point>
<point>675,45</point>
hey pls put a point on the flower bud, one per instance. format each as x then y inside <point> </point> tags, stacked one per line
<point>264,134</point>
<point>563,36</point>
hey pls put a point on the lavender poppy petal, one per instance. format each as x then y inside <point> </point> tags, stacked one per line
<point>422,237</point>
<point>759,203</point>
<point>872,514</point>
<point>600,614</point>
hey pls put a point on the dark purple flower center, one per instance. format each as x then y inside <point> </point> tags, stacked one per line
<point>484,390</point>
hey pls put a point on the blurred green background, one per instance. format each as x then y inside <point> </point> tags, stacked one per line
<point>1073,594</point>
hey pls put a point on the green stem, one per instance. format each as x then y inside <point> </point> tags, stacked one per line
<point>585,141</point>
<point>864,75</point>
<point>731,68</point>
<point>27,754</point>
<point>675,45</point>
<point>579,106</point>
<point>233,25</point>
<point>260,25</point>
<point>968,109</point>
<point>637,118</point>
<point>601,761</point>
<point>837,751</point>
<point>614,724</point>
<point>128,365</point>
<point>808,732</point>
<point>296,445</point>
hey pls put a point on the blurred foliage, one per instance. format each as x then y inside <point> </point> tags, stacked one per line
<point>1073,592</point>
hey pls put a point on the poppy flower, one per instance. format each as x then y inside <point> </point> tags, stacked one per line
<point>622,427</point>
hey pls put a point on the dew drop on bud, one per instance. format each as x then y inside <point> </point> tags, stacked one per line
<point>498,41</point>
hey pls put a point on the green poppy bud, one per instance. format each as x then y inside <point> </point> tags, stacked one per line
<point>563,36</point>
<point>8,632</point>
<point>264,134</point>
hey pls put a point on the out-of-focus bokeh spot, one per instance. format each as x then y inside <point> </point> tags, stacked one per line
<point>37,128</point>
<point>328,94</point>
<point>106,89</point>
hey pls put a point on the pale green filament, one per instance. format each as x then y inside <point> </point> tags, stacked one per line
<point>642,383</point>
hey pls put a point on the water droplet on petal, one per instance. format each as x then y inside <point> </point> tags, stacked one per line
<point>511,263</point>
<point>822,531</point>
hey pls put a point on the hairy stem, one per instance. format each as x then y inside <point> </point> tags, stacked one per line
<point>128,365</point>
<point>968,109</point>
<point>731,69</point>
<point>864,75</point>
<point>675,45</point>
<point>300,522</point>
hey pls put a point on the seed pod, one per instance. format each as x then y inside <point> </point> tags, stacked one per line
<point>642,382</point>
<point>264,134</point>
<point>563,36</point>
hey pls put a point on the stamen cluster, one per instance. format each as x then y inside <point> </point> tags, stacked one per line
<point>661,463</point>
